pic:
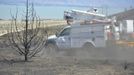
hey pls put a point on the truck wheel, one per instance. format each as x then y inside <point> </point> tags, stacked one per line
<point>51,49</point>
<point>88,46</point>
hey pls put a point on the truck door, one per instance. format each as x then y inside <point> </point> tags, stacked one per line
<point>63,40</point>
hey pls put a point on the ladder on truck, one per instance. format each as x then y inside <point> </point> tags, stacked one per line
<point>78,15</point>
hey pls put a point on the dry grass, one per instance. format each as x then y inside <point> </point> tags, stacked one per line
<point>58,66</point>
<point>5,25</point>
<point>12,64</point>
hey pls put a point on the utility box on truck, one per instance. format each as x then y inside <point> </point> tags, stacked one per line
<point>93,34</point>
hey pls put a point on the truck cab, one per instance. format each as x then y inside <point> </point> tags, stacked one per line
<point>60,40</point>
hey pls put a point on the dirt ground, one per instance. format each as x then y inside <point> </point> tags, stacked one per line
<point>76,62</point>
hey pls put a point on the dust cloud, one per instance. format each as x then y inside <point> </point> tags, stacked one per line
<point>114,53</point>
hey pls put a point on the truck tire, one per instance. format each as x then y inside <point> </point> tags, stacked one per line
<point>88,46</point>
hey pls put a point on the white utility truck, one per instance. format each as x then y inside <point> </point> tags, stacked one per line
<point>81,33</point>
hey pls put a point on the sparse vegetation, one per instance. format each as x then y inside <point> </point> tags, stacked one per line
<point>31,40</point>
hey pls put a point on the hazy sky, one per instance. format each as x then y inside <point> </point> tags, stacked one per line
<point>110,3</point>
<point>55,8</point>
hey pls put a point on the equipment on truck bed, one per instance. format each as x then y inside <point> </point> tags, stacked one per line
<point>72,15</point>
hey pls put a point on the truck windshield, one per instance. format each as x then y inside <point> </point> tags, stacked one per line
<point>65,32</point>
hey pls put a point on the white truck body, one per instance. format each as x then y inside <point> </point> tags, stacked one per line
<point>77,35</point>
<point>82,34</point>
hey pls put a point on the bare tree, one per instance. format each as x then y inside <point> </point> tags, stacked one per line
<point>27,36</point>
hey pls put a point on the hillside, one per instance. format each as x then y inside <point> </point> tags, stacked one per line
<point>126,15</point>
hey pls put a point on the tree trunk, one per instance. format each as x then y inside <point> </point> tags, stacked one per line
<point>26,57</point>
<point>26,33</point>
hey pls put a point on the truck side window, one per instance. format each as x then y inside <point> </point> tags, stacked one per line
<point>65,32</point>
